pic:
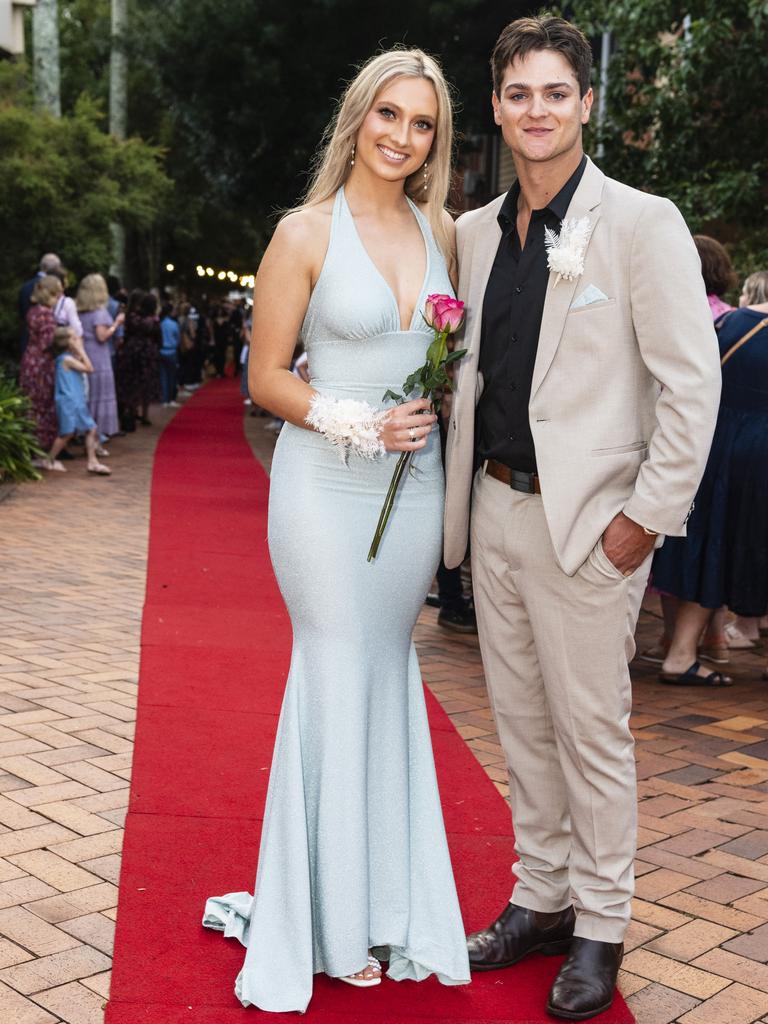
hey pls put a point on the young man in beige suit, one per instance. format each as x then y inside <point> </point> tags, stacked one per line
<point>584,412</point>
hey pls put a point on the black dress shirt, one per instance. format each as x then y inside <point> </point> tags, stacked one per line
<point>512,309</point>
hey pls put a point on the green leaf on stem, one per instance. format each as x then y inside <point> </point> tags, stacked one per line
<point>458,353</point>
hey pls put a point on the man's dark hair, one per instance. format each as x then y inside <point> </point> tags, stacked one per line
<point>544,32</point>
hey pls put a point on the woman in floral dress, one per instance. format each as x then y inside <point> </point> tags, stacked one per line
<point>37,370</point>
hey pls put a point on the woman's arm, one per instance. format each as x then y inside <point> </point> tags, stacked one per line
<point>281,296</point>
<point>104,333</point>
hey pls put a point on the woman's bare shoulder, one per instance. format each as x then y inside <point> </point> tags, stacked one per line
<point>304,232</point>
<point>302,225</point>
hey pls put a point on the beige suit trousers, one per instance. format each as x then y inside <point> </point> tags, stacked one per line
<point>555,650</point>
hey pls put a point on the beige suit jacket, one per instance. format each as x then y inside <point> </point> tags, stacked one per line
<point>625,390</point>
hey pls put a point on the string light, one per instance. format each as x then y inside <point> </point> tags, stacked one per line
<point>245,280</point>
<point>170,267</point>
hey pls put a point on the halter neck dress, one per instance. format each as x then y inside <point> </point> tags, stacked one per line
<point>353,848</point>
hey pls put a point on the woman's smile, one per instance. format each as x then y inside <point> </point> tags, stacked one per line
<point>392,154</point>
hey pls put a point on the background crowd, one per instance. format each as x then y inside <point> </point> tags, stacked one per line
<point>721,565</point>
<point>94,357</point>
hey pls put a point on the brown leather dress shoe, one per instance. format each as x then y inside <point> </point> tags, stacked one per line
<point>586,982</point>
<point>515,933</point>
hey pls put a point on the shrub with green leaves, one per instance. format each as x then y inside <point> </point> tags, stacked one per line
<point>63,181</point>
<point>685,111</point>
<point>18,445</point>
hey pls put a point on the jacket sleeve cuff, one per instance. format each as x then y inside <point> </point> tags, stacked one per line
<point>670,522</point>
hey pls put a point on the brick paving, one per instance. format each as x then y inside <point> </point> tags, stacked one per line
<point>73,556</point>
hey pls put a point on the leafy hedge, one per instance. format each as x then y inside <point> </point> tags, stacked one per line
<point>18,445</point>
<point>62,182</point>
<point>686,111</point>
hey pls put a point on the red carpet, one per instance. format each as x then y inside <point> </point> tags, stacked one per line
<point>215,649</point>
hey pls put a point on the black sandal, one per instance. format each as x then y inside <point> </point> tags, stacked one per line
<point>691,677</point>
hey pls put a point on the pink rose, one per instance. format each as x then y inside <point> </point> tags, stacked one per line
<point>444,313</point>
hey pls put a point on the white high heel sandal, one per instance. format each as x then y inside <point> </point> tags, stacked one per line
<point>369,982</point>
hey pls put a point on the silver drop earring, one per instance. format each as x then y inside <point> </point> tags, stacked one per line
<point>352,161</point>
<point>425,175</point>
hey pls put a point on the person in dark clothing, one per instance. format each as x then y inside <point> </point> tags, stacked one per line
<point>723,559</point>
<point>138,360</point>
<point>236,320</point>
<point>457,612</point>
<point>222,336</point>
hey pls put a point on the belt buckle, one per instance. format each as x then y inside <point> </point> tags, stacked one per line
<point>520,481</point>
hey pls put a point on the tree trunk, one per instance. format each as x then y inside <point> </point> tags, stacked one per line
<point>118,113</point>
<point>45,43</point>
<point>118,71</point>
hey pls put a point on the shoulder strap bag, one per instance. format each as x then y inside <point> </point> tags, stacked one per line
<point>743,341</point>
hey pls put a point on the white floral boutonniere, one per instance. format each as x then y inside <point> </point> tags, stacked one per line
<point>565,252</point>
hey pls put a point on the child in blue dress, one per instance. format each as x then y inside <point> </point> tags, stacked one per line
<point>71,406</point>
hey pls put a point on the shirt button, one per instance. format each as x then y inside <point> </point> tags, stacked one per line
<point>514,337</point>
<point>513,386</point>
<point>511,437</point>
<point>518,289</point>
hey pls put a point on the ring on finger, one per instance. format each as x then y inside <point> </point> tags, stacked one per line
<point>412,434</point>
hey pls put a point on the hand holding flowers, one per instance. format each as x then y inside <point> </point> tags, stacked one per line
<point>406,427</point>
<point>444,315</point>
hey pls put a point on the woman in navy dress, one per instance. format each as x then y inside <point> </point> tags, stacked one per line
<point>724,558</point>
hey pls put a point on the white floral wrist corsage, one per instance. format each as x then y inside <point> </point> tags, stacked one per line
<point>351,426</point>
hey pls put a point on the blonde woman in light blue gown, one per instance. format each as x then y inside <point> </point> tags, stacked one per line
<point>353,852</point>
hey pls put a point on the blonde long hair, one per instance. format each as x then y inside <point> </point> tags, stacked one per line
<point>756,288</point>
<point>332,165</point>
<point>92,293</point>
<point>46,291</point>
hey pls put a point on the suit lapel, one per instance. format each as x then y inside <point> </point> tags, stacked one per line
<point>486,242</point>
<point>585,203</point>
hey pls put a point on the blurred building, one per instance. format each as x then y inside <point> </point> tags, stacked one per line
<point>12,26</point>
<point>484,170</point>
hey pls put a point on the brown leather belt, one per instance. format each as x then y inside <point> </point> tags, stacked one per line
<point>514,478</point>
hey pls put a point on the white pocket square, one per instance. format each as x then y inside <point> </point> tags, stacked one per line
<point>588,296</point>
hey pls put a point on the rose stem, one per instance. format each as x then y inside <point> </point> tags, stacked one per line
<point>389,501</point>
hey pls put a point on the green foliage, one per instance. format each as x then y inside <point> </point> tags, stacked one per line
<point>685,109</point>
<point>62,182</point>
<point>84,50</point>
<point>18,445</point>
<point>237,95</point>
<point>249,90</point>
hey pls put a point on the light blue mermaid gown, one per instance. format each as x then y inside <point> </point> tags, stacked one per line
<point>353,849</point>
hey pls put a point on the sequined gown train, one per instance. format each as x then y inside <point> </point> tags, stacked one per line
<point>353,850</point>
